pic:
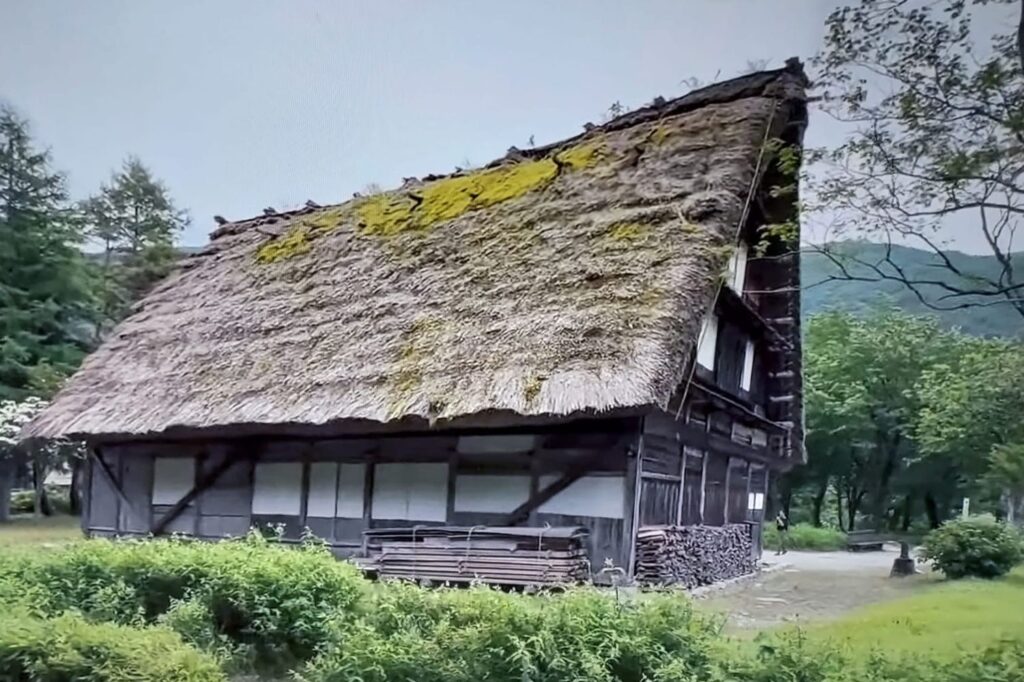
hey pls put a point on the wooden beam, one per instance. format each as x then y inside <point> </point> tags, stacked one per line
<point>634,517</point>
<point>572,474</point>
<point>655,476</point>
<point>682,484</point>
<point>108,474</point>
<point>202,484</point>
<point>728,490</point>
<point>703,482</point>
<point>700,439</point>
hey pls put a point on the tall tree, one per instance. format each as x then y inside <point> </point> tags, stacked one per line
<point>45,293</point>
<point>935,114</point>
<point>970,416</point>
<point>137,222</point>
<point>863,402</point>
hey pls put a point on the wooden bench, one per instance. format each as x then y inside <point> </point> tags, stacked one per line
<point>864,541</point>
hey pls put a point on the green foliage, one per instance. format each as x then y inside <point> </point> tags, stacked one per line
<point>69,649</point>
<point>23,501</point>
<point>805,536</point>
<point>264,604</point>
<point>978,546</point>
<point>862,403</point>
<point>45,289</point>
<point>137,222</point>
<point>932,91</point>
<point>902,419</point>
<point>465,635</point>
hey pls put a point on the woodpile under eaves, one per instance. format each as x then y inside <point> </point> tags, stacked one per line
<point>691,556</point>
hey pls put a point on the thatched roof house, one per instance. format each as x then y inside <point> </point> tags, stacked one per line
<point>560,282</point>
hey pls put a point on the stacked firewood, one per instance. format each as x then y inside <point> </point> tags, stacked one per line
<point>692,556</point>
<point>493,555</point>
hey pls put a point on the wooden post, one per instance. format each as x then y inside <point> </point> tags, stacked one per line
<point>682,485</point>
<point>304,495</point>
<point>634,518</point>
<point>746,498</point>
<point>728,490</point>
<point>703,484</point>
<point>453,470</point>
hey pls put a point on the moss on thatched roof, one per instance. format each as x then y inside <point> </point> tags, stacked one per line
<point>557,280</point>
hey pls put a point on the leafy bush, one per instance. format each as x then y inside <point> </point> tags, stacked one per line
<point>262,603</point>
<point>69,648</point>
<point>805,536</point>
<point>450,635</point>
<point>978,546</point>
<point>23,501</point>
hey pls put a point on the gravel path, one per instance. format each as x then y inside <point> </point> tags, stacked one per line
<point>812,586</point>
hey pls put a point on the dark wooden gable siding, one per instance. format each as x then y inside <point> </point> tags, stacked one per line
<point>729,355</point>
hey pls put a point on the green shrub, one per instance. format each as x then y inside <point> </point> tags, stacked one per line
<point>265,603</point>
<point>805,536</point>
<point>23,501</point>
<point>978,546</point>
<point>70,648</point>
<point>450,635</point>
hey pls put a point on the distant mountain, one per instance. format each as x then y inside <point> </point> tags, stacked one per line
<point>863,297</point>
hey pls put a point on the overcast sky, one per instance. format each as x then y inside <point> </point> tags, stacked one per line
<point>241,104</point>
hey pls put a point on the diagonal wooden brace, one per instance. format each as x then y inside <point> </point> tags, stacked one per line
<point>205,482</point>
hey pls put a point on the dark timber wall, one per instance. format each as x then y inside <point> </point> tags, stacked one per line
<point>339,488</point>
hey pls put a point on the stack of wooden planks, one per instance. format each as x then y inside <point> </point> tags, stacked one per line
<point>485,554</point>
<point>692,556</point>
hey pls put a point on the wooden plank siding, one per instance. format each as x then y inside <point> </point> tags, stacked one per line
<point>226,508</point>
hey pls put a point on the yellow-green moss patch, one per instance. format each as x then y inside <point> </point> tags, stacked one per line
<point>582,155</point>
<point>629,232</point>
<point>297,240</point>
<point>406,375</point>
<point>532,388</point>
<point>292,243</point>
<point>660,134</point>
<point>450,198</point>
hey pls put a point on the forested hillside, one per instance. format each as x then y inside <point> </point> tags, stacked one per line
<point>862,297</point>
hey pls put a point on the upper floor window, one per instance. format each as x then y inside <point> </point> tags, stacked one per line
<point>707,342</point>
<point>737,277</point>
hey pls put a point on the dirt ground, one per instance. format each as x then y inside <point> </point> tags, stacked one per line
<point>804,587</point>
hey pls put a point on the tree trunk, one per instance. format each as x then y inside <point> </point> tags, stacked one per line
<point>1020,36</point>
<point>908,507</point>
<point>7,469</point>
<point>41,505</point>
<point>75,493</point>
<point>819,500</point>
<point>839,507</point>
<point>786,497</point>
<point>851,511</point>
<point>932,509</point>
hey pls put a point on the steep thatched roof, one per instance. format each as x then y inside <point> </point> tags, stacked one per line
<point>556,280</point>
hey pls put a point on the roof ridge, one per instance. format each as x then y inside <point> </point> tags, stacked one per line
<point>754,84</point>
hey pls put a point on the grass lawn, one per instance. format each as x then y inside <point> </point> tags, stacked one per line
<point>26,530</point>
<point>944,619</point>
